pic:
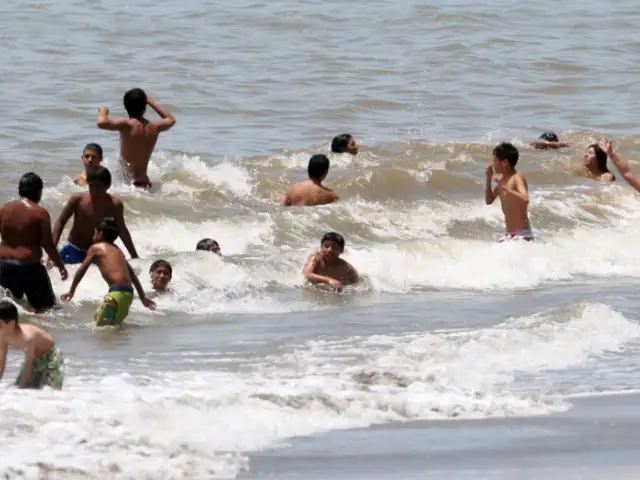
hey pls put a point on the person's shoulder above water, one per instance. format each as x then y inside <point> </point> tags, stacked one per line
<point>312,192</point>
<point>326,266</point>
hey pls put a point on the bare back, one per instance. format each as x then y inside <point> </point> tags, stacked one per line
<point>88,214</point>
<point>136,146</point>
<point>309,193</point>
<point>23,227</point>
<point>112,263</point>
<point>33,338</point>
<point>515,211</point>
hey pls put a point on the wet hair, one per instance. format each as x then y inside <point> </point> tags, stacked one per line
<point>549,137</point>
<point>101,175</point>
<point>8,312</point>
<point>135,102</point>
<point>161,263</point>
<point>30,187</point>
<point>340,142</point>
<point>601,157</point>
<point>333,237</point>
<point>94,147</point>
<point>109,229</point>
<point>506,151</point>
<point>207,244</point>
<point>318,166</point>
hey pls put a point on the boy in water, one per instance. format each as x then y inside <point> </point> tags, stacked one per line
<point>138,136</point>
<point>116,271</point>
<point>344,143</point>
<point>91,158</point>
<point>209,245</point>
<point>312,192</point>
<point>326,266</point>
<point>43,363</point>
<point>513,191</point>
<point>549,141</point>
<point>161,274</point>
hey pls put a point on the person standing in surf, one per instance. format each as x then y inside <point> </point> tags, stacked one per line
<point>513,191</point>
<point>312,192</point>
<point>138,136</point>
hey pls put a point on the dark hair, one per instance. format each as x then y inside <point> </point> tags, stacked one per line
<point>161,263</point>
<point>135,102</point>
<point>95,147</point>
<point>333,237</point>
<point>101,175</point>
<point>601,157</point>
<point>318,166</point>
<point>549,137</point>
<point>340,143</point>
<point>8,312</point>
<point>109,229</point>
<point>207,244</point>
<point>506,151</point>
<point>30,187</point>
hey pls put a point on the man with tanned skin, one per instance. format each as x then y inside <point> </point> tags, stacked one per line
<point>312,192</point>
<point>25,228</point>
<point>138,136</point>
<point>89,209</point>
<point>91,158</point>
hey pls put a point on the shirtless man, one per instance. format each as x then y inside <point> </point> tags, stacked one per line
<point>88,210</point>
<point>513,191</point>
<point>312,192</point>
<point>91,158</point>
<point>326,266</point>
<point>25,228</point>
<point>138,136</point>
<point>606,144</point>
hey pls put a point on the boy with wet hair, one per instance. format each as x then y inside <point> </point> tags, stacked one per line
<point>513,191</point>
<point>549,141</point>
<point>209,245</point>
<point>161,274</point>
<point>326,266</point>
<point>344,143</point>
<point>43,363</point>
<point>91,158</point>
<point>312,192</point>
<point>116,271</point>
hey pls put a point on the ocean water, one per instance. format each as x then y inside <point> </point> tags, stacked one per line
<point>246,372</point>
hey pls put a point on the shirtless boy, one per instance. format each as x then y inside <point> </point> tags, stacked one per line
<point>513,191</point>
<point>88,209</point>
<point>25,228</point>
<point>326,266</point>
<point>161,273</point>
<point>43,363</point>
<point>312,192</point>
<point>138,136</point>
<point>116,271</point>
<point>91,158</point>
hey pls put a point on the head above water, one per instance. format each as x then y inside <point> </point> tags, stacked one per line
<point>596,158</point>
<point>91,155</point>
<point>161,274</point>
<point>505,157</point>
<point>106,231</point>
<point>318,167</point>
<point>135,102</point>
<point>344,143</point>
<point>208,245</point>
<point>332,245</point>
<point>549,137</point>
<point>8,314</point>
<point>30,187</point>
<point>99,179</point>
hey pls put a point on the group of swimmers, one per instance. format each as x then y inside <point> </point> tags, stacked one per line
<point>26,230</point>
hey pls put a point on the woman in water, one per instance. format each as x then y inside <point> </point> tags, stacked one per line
<point>595,164</point>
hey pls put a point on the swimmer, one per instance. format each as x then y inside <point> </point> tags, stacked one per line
<point>513,191</point>
<point>116,271</point>
<point>326,266</point>
<point>43,363</point>
<point>88,209</point>
<point>91,158</point>
<point>312,192</point>
<point>161,274</point>
<point>25,228</point>
<point>549,141</point>
<point>606,144</point>
<point>595,164</point>
<point>138,136</point>
<point>208,245</point>
<point>344,143</point>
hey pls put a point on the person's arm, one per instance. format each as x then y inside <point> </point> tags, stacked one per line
<point>82,270</point>
<point>29,357</point>
<point>490,193</point>
<point>353,274</point>
<point>105,123</point>
<point>544,144</point>
<point>66,213</point>
<point>49,246</point>
<point>146,301</point>
<point>167,120</point>
<point>124,233</point>
<point>521,190</point>
<point>621,165</point>
<point>3,358</point>
<point>309,272</point>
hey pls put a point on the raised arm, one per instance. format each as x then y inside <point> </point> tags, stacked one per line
<point>166,119</point>
<point>490,193</point>
<point>105,123</point>
<point>623,167</point>
<point>124,233</point>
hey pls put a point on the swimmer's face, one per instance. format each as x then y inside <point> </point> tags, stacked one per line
<point>352,146</point>
<point>215,248</point>
<point>498,165</point>
<point>160,278</point>
<point>90,158</point>
<point>590,156</point>
<point>331,250</point>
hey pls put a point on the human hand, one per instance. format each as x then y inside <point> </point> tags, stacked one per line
<point>335,284</point>
<point>66,296</point>
<point>63,273</point>
<point>488,170</point>
<point>147,302</point>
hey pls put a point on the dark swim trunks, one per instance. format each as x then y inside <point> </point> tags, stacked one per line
<point>30,279</point>
<point>70,254</point>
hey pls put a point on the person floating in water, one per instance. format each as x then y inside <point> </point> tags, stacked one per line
<point>549,141</point>
<point>326,266</point>
<point>595,164</point>
<point>344,143</point>
<point>512,189</point>
<point>606,144</point>
<point>43,363</point>
<point>88,209</point>
<point>25,228</point>
<point>138,136</point>
<point>208,245</point>
<point>116,271</point>
<point>91,158</point>
<point>161,273</point>
<point>312,192</point>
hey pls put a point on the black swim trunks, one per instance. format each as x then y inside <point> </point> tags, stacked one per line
<point>30,279</point>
